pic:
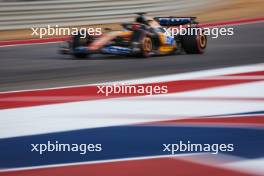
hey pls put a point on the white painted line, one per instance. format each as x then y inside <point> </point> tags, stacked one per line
<point>126,111</point>
<point>251,166</point>
<point>171,77</point>
<point>97,162</point>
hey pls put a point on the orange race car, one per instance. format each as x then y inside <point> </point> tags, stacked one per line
<point>143,38</point>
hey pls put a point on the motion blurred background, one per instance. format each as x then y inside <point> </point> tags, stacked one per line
<point>218,96</point>
<point>18,16</point>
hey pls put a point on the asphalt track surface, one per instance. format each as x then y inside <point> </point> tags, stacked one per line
<point>40,65</point>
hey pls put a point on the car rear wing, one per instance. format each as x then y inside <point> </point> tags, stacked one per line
<point>175,21</point>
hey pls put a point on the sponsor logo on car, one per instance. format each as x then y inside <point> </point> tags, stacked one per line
<point>116,50</point>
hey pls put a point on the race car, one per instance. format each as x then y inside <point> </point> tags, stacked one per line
<point>143,38</point>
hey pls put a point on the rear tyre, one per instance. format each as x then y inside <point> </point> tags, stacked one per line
<point>194,44</point>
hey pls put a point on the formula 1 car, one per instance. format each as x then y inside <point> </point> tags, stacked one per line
<point>143,38</point>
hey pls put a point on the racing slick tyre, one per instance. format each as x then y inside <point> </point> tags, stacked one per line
<point>79,41</point>
<point>142,44</point>
<point>195,43</point>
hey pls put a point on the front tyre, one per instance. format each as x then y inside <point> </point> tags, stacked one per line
<point>194,44</point>
<point>147,46</point>
<point>142,44</point>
